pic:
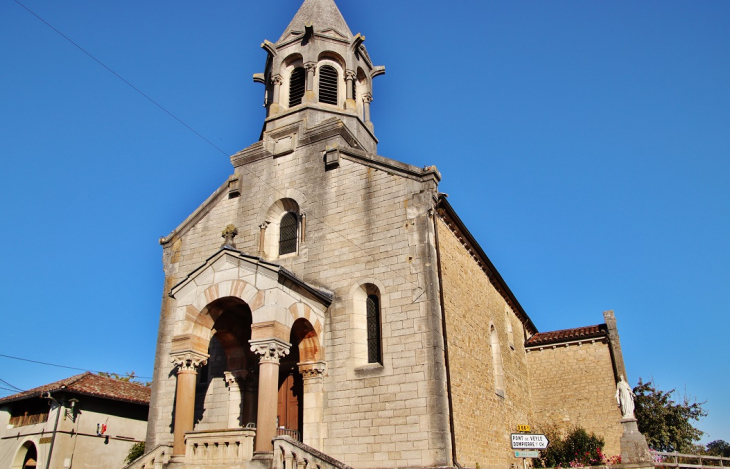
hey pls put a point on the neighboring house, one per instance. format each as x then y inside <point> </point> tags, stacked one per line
<point>326,294</point>
<point>85,421</point>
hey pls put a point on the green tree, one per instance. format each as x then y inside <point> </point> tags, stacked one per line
<point>719,448</point>
<point>135,451</point>
<point>666,424</point>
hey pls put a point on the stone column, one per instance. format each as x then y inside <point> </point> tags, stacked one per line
<point>310,95</point>
<point>366,100</point>
<point>233,380</point>
<point>350,77</point>
<point>313,403</point>
<point>276,80</point>
<point>186,364</point>
<point>271,351</point>
<point>250,396</point>
<point>262,238</point>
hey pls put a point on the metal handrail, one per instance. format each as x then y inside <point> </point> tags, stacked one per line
<point>290,433</point>
<point>660,460</point>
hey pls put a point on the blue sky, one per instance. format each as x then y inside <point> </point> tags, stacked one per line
<point>585,144</point>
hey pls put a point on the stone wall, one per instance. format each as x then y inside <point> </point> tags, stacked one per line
<point>365,223</point>
<point>574,385</point>
<point>484,418</point>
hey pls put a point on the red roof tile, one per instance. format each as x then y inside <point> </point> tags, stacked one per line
<point>567,335</point>
<point>90,384</point>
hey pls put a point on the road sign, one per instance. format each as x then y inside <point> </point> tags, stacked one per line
<point>523,428</point>
<point>527,454</point>
<point>529,441</point>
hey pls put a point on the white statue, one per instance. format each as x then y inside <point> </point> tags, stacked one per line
<point>625,398</point>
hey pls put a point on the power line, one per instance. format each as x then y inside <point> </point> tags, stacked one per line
<point>119,76</point>
<point>11,385</point>
<point>58,366</point>
<point>250,172</point>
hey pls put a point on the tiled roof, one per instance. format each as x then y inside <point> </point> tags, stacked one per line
<point>567,335</point>
<point>90,384</point>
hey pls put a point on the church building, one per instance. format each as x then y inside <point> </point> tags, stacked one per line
<point>326,306</point>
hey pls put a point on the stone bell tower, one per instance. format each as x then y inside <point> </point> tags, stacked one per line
<point>318,70</point>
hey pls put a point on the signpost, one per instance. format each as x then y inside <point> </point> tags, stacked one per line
<point>529,441</point>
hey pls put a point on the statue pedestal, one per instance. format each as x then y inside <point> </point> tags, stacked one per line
<point>634,449</point>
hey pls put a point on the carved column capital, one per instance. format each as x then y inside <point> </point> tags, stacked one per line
<point>235,377</point>
<point>311,370</point>
<point>270,350</point>
<point>277,80</point>
<point>350,75</point>
<point>310,67</point>
<point>188,361</point>
<point>367,97</point>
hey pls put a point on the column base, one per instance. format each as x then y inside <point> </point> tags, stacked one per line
<point>261,460</point>
<point>634,449</point>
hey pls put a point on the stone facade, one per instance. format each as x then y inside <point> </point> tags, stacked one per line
<point>333,292</point>
<point>573,384</point>
<point>485,414</point>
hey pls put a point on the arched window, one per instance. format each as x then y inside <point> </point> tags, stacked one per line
<point>288,233</point>
<point>510,332</point>
<point>296,86</point>
<point>328,84</point>
<point>497,363</point>
<point>373,320</point>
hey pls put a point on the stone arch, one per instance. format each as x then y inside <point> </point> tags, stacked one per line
<point>497,367</point>
<point>286,69</point>
<point>358,327</point>
<point>335,61</point>
<point>303,311</point>
<point>27,453</point>
<point>273,217</point>
<point>306,338</point>
<point>206,309</point>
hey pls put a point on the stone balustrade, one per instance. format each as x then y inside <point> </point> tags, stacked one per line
<point>230,448</point>
<point>290,454</point>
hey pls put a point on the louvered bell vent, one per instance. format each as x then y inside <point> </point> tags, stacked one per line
<point>328,85</point>
<point>296,86</point>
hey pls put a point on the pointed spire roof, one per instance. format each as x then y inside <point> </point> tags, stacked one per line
<point>323,14</point>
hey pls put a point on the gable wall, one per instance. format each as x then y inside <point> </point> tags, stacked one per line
<point>389,416</point>
<point>483,420</point>
<point>575,385</point>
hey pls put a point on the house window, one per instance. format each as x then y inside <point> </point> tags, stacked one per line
<point>328,85</point>
<point>288,234</point>
<point>296,86</point>
<point>373,324</point>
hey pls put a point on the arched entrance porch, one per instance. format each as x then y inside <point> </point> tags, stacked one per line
<point>213,327</point>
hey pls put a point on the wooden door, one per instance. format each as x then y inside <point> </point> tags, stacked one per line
<point>290,391</point>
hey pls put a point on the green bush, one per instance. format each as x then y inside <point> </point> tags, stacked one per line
<point>135,451</point>
<point>576,449</point>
